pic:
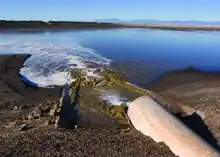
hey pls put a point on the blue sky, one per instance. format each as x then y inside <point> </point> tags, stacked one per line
<point>87,10</point>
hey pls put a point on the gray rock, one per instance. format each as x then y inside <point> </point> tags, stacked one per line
<point>16,107</point>
<point>45,108</point>
<point>25,127</point>
<point>52,112</point>
<point>201,114</point>
<point>47,122</point>
<point>36,113</point>
<point>22,106</point>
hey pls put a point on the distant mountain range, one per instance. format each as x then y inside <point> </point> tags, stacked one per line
<point>146,21</point>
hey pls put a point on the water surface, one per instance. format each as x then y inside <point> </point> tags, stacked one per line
<point>140,55</point>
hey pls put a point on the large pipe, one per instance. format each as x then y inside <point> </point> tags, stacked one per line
<point>153,120</point>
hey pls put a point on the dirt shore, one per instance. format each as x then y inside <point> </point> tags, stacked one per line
<point>14,92</point>
<point>22,135</point>
<point>196,89</point>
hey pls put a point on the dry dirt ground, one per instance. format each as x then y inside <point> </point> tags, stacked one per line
<point>85,141</point>
<point>24,135</point>
<point>196,89</point>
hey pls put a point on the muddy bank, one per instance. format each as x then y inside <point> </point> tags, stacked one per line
<point>36,136</point>
<point>14,93</point>
<point>27,123</point>
<point>196,89</point>
<point>13,90</point>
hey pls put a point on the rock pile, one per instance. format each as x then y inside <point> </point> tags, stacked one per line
<point>47,109</point>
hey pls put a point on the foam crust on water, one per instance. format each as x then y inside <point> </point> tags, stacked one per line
<point>51,63</point>
<point>113,98</point>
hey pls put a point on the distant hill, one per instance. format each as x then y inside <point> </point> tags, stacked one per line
<point>146,21</point>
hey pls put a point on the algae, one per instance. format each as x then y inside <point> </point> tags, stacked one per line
<point>90,91</point>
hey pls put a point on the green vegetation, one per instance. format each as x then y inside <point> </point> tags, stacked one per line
<point>112,77</point>
<point>115,111</point>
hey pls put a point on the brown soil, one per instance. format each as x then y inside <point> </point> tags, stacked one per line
<point>196,89</point>
<point>88,141</point>
<point>40,138</point>
<point>15,94</point>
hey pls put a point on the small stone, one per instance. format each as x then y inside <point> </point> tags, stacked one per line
<point>47,122</point>
<point>52,121</point>
<point>36,113</point>
<point>45,108</point>
<point>22,107</point>
<point>23,127</point>
<point>16,107</point>
<point>201,114</point>
<point>76,126</point>
<point>126,130</point>
<point>52,112</point>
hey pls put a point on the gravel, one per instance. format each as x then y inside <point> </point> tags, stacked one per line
<point>83,141</point>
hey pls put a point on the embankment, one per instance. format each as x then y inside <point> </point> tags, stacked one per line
<point>196,89</point>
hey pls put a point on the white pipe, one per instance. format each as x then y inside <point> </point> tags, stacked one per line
<point>150,118</point>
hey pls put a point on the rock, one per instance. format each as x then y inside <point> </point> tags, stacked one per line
<point>22,106</point>
<point>16,107</point>
<point>201,114</point>
<point>52,112</point>
<point>24,127</point>
<point>19,107</point>
<point>45,108</point>
<point>36,113</point>
<point>47,122</point>
<point>52,121</point>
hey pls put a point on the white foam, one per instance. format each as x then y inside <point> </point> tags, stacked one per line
<point>50,63</point>
<point>113,98</point>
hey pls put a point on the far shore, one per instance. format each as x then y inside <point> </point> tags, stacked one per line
<point>68,25</point>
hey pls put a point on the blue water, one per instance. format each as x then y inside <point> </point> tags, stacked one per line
<point>140,55</point>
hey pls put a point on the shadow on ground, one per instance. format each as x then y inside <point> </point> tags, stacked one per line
<point>196,123</point>
<point>69,113</point>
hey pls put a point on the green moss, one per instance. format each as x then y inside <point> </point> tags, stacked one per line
<point>117,112</point>
<point>135,89</point>
<point>111,76</point>
<point>74,86</point>
<point>89,97</point>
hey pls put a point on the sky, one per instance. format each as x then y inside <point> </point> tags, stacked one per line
<point>89,10</point>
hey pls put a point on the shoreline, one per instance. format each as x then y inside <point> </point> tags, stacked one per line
<point>194,89</point>
<point>10,25</point>
<point>191,89</point>
<point>14,92</point>
<point>26,121</point>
